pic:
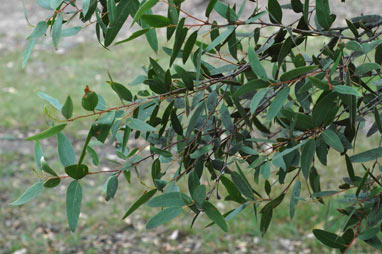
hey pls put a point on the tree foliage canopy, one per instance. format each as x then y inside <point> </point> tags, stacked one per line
<point>241,103</point>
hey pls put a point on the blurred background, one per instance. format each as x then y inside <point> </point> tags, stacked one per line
<point>40,226</point>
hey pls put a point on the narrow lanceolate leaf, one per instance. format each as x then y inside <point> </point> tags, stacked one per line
<point>156,21</point>
<point>121,91</point>
<point>346,90</point>
<point>134,35</point>
<point>307,155</point>
<point>255,64</point>
<point>28,51</point>
<point>242,185</point>
<point>163,217</point>
<point>214,214</point>
<point>47,168</point>
<point>53,101</point>
<point>67,109</point>
<point>222,37</point>
<point>257,99</point>
<point>329,239</point>
<point>332,140</point>
<point>323,13</point>
<point>65,150</point>
<point>73,204</point>
<point>38,153</point>
<point>200,152</point>
<point>137,124</point>
<point>142,200</point>
<point>85,6</point>
<point>188,46</point>
<point>277,103</point>
<point>143,9</point>
<point>29,194</point>
<point>47,133</point>
<point>365,68</point>
<point>111,187</point>
<point>369,155</point>
<point>170,199</point>
<point>294,198</point>
<point>226,118</point>
<point>292,74</point>
<point>57,30</point>
<point>210,7</point>
<point>250,87</point>
<point>39,31</point>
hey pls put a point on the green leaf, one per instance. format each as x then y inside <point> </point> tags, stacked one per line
<point>121,91</point>
<point>93,155</point>
<point>250,87</point>
<point>226,118</point>
<point>47,133</point>
<point>200,152</point>
<point>332,140</point>
<point>242,185</point>
<point>214,214</point>
<point>28,51</point>
<point>274,11</point>
<point>259,96</point>
<point>369,233</point>
<point>369,155</point>
<point>185,76</point>
<point>71,31</point>
<point>222,37</point>
<point>156,21</point>
<point>297,6</point>
<point>323,194</point>
<point>292,74</point>
<point>57,30</point>
<point>111,187</point>
<point>170,199</point>
<point>210,7</point>
<point>365,68</point>
<point>89,100</point>
<point>148,5</point>
<point>137,124</point>
<point>134,35</point>
<point>188,46</point>
<point>329,239</point>
<point>53,101</point>
<point>39,31</point>
<point>29,194</point>
<point>307,155</point>
<point>234,193</point>
<point>67,109</point>
<point>73,204</point>
<point>176,123</point>
<point>65,150</point>
<point>77,171</point>
<point>277,103</point>
<point>85,6</point>
<point>47,168</point>
<point>163,217</point>
<point>349,168</point>
<point>194,118</point>
<point>255,64</point>
<point>111,11</point>
<point>323,85</point>
<point>265,221</point>
<point>354,46</point>
<point>199,194</point>
<point>142,200</point>
<point>294,198</point>
<point>38,153</point>
<point>346,90</point>
<point>323,14</point>
<point>51,183</point>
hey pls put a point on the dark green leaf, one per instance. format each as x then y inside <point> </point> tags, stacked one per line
<point>143,9</point>
<point>156,21</point>
<point>77,171</point>
<point>255,64</point>
<point>277,103</point>
<point>134,35</point>
<point>274,11</point>
<point>142,200</point>
<point>47,168</point>
<point>307,155</point>
<point>329,239</point>
<point>242,185</point>
<point>346,90</point>
<point>111,187</point>
<point>214,214</point>
<point>294,198</point>
<point>67,109</point>
<point>292,74</point>
<point>323,14</point>
<point>250,87</point>
<point>121,91</point>
<point>51,183</point>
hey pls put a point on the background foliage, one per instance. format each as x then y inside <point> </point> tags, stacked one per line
<point>267,116</point>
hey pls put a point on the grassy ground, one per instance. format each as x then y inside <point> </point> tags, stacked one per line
<point>41,227</point>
